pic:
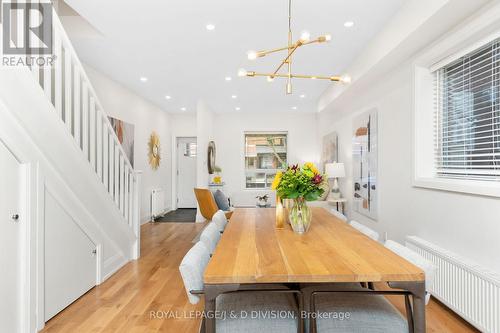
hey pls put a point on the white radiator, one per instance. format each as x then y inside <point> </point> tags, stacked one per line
<point>471,291</point>
<point>157,203</point>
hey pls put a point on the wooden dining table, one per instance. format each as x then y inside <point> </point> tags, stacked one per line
<point>252,251</point>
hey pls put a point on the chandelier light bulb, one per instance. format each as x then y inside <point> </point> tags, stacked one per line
<point>270,79</point>
<point>328,37</point>
<point>345,79</point>
<point>305,36</point>
<point>242,72</point>
<point>252,55</point>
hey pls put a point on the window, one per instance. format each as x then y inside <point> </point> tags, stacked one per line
<point>265,153</point>
<point>467,130</point>
<point>190,149</point>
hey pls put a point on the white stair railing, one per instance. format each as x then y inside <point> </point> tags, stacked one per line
<point>69,90</point>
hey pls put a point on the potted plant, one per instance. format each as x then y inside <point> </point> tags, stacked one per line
<point>262,200</point>
<point>301,184</point>
<point>217,179</point>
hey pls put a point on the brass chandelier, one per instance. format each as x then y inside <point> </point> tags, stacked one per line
<point>291,48</point>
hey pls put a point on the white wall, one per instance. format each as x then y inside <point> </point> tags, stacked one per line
<point>229,131</point>
<point>204,125</point>
<point>468,225</point>
<point>121,103</point>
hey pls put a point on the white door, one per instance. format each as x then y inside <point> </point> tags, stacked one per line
<point>186,172</point>
<point>70,261</point>
<point>10,240</point>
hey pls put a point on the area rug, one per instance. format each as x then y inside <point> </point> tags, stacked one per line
<point>183,215</point>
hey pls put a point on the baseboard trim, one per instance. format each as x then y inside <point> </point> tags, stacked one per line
<point>112,265</point>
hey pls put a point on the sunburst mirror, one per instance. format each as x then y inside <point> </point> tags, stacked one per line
<point>154,151</point>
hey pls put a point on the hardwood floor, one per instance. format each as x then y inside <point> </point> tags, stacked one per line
<point>124,302</point>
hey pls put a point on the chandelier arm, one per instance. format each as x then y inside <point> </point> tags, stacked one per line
<point>297,76</point>
<point>266,52</point>
<point>286,59</point>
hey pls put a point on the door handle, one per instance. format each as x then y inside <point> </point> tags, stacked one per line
<point>15,217</point>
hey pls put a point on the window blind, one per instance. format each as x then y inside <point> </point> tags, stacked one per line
<point>467,131</point>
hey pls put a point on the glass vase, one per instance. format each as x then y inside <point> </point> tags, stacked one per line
<point>300,216</point>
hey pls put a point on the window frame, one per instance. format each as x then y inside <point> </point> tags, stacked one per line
<point>450,48</point>
<point>272,132</point>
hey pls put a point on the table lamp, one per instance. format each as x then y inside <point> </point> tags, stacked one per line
<point>335,171</point>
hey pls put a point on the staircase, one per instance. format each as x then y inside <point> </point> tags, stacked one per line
<point>69,90</point>
<point>77,173</point>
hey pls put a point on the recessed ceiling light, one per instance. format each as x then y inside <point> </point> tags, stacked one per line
<point>234,96</point>
<point>302,96</point>
<point>183,109</point>
<point>210,27</point>
<point>143,79</point>
<point>294,108</point>
<point>237,108</point>
<point>228,78</point>
<point>349,24</point>
<point>168,97</point>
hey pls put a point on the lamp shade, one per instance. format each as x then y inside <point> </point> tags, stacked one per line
<point>335,170</point>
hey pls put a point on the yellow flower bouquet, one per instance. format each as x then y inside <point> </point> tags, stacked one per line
<point>302,184</point>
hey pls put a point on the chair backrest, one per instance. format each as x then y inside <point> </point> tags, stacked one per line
<point>427,266</point>
<point>192,268</point>
<point>338,215</point>
<point>206,202</point>
<point>210,236</point>
<point>364,229</point>
<point>220,220</point>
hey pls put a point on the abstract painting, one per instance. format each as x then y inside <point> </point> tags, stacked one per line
<point>125,133</point>
<point>364,161</point>
<point>329,149</point>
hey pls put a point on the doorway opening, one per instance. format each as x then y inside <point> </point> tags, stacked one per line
<point>186,157</point>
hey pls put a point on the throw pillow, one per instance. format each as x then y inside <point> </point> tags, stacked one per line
<point>221,200</point>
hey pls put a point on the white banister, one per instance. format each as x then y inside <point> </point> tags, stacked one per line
<point>122,183</point>
<point>111,187</point>
<point>136,222</point>
<point>85,120</point>
<point>68,85</point>
<point>116,164</point>
<point>58,71</point>
<point>99,143</point>
<point>92,133</point>
<point>105,157</point>
<point>77,106</point>
<point>127,194</point>
<point>70,91</point>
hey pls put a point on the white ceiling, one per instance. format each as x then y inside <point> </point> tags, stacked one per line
<point>167,42</point>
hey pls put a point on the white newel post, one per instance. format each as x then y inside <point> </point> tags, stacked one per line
<point>136,250</point>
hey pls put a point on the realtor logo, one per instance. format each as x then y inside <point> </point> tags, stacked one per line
<point>27,27</point>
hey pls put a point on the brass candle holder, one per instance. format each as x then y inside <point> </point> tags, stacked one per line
<point>280,214</point>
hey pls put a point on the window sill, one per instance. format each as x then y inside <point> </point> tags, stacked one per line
<point>473,187</point>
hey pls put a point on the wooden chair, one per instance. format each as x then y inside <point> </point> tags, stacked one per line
<point>207,204</point>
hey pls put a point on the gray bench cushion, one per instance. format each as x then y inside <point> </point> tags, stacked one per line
<point>367,313</point>
<point>220,220</point>
<point>192,267</point>
<point>210,237</point>
<point>253,303</point>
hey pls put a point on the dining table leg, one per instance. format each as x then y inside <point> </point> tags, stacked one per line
<point>417,290</point>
